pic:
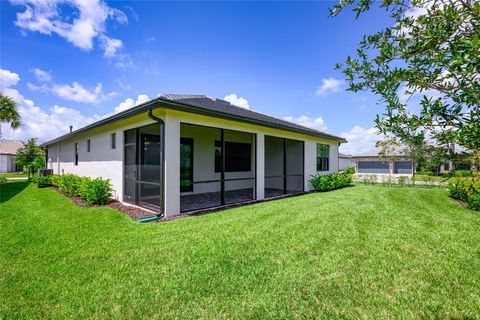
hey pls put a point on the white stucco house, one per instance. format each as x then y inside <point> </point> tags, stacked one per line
<point>8,149</point>
<point>185,153</point>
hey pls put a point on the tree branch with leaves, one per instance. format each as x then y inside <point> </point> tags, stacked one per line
<point>432,50</point>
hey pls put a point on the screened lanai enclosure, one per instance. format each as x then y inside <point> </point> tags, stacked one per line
<point>142,166</point>
<point>217,167</point>
<point>284,166</point>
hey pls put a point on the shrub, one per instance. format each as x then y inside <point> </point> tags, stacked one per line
<point>3,180</point>
<point>457,191</point>
<point>350,170</point>
<point>42,181</point>
<point>70,183</point>
<point>462,173</point>
<point>467,191</point>
<point>96,191</point>
<point>473,202</point>
<point>93,191</point>
<point>403,180</point>
<point>326,182</point>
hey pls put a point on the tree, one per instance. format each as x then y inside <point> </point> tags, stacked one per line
<point>8,112</point>
<point>30,157</point>
<point>389,151</point>
<point>433,50</point>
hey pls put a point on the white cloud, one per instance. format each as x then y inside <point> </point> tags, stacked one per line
<point>359,140</point>
<point>130,103</point>
<point>71,92</point>
<point>76,92</point>
<point>42,75</point>
<point>306,121</point>
<point>329,85</point>
<point>36,122</point>
<point>110,46</point>
<point>88,24</point>
<point>237,101</point>
<point>8,79</point>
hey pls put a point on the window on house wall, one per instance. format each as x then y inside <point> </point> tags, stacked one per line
<point>113,140</point>
<point>237,156</point>
<point>75,149</point>
<point>88,145</point>
<point>323,152</point>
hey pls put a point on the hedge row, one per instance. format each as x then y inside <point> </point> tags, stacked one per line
<point>467,191</point>
<point>93,191</point>
<point>326,182</point>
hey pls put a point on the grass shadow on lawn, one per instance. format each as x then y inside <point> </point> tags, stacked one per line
<point>11,189</point>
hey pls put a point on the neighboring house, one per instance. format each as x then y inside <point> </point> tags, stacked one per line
<point>8,149</point>
<point>371,162</point>
<point>345,161</point>
<point>183,153</point>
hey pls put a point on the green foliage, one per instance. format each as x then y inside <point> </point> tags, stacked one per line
<point>93,191</point>
<point>473,202</point>
<point>9,112</point>
<point>461,173</point>
<point>42,181</point>
<point>96,191</point>
<point>403,180</point>
<point>467,191</point>
<point>431,49</point>
<point>3,180</point>
<point>326,182</point>
<point>31,157</point>
<point>350,170</point>
<point>69,183</point>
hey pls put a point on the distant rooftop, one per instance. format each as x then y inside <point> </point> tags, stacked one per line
<point>375,153</point>
<point>10,146</point>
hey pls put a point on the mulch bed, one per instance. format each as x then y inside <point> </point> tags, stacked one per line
<point>131,211</point>
<point>460,202</point>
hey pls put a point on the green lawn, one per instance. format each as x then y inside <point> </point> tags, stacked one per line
<point>14,175</point>
<point>361,252</point>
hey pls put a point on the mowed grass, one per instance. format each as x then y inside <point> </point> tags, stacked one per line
<point>14,175</point>
<point>361,252</point>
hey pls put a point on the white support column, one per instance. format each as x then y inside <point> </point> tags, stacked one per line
<point>58,157</point>
<point>260,187</point>
<point>172,166</point>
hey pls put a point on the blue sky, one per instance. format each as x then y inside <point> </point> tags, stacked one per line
<point>70,64</point>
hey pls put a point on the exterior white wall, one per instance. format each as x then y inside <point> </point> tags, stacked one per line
<point>7,163</point>
<point>345,163</point>
<point>102,161</point>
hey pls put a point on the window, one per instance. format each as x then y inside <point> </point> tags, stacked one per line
<point>237,156</point>
<point>323,151</point>
<point>75,155</point>
<point>113,140</point>
<point>88,145</point>
<point>186,164</point>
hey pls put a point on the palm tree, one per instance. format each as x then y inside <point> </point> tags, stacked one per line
<point>8,112</point>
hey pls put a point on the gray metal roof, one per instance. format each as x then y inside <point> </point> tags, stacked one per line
<point>223,106</point>
<point>375,152</point>
<point>204,105</point>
